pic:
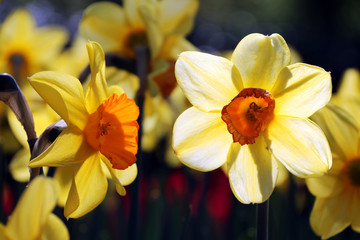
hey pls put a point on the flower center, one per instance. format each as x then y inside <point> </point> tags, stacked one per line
<point>112,129</point>
<point>248,114</point>
<point>18,66</point>
<point>351,172</point>
<point>133,39</point>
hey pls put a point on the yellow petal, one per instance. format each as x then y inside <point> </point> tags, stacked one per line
<point>330,216</point>
<point>121,177</point>
<point>55,229</point>
<point>32,211</point>
<point>64,176</point>
<point>128,82</point>
<point>174,45</point>
<point>3,234</point>
<point>132,12</point>
<point>154,34</point>
<point>69,149</point>
<point>328,185</point>
<point>340,130</point>
<point>350,84</point>
<point>19,23</point>
<point>301,89</point>
<point>97,91</point>
<point>88,188</point>
<point>48,42</point>
<point>19,165</point>
<point>201,140</point>
<point>209,82</point>
<point>260,58</point>
<point>177,17</point>
<point>355,209</point>
<point>104,22</point>
<point>300,145</point>
<point>64,94</point>
<point>252,171</point>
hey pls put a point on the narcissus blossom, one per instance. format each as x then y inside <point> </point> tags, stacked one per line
<point>337,203</point>
<point>251,112</point>
<point>101,136</point>
<point>33,218</point>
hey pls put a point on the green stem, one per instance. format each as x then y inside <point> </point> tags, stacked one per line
<point>262,221</point>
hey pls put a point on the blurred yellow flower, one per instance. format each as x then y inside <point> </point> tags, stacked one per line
<point>252,114</point>
<point>337,193</point>
<point>102,134</point>
<point>32,218</point>
<point>25,48</point>
<point>161,25</point>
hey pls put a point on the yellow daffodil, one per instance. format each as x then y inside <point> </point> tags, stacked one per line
<point>101,134</point>
<point>160,25</point>
<point>25,48</point>
<point>252,114</point>
<point>32,218</point>
<point>337,193</point>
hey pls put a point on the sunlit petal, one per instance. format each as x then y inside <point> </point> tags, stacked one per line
<point>260,58</point>
<point>97,91</point>
<point>64,94</point>
<point>301,89</point>
<point>69,148</point>
<point>300,145</point>
<point>208,81</point>
<point>350,84</point>
<point>252,171</point>
<point>55,229</point>
<point>88,188</point>
<point>201,140</point>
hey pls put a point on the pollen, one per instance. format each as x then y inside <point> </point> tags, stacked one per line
<point>249,114</point>
<point>112,129</point>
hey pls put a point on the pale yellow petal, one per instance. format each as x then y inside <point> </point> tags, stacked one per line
<point>301,90</point>
<point>32,210</point>
<point>252,171</point>
<point>328,185</point>
<point>355,209</point>
<point>340,130</point>
<point>18,23</point>
<point>48,42</point>
<point>55,229</point>
<point>350,84</point>
<point>174,45</point>
<point>201,140</point>
<point>64,177</point>
<point>300,145</point>
<point>88,188</point>
<point>154,34</point>
<point>131,8</point>
<point>64,94</point>
<point>69,149</point>
<point>19,165</point>
<point>260,58</point>
<point>104,22</point>
<point>3,233</point>
<point>177,17</point>
<point>330,216</point>
<point>209,82</point>
<point>122,177</point>
<point>128,82</point>
<point>97,90</point>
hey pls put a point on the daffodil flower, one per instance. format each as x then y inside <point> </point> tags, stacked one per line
<point>102,134</point>
<point>160,25</point>
<point>33,218</point>
<point>251,112</point>
<point>337,203</point>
